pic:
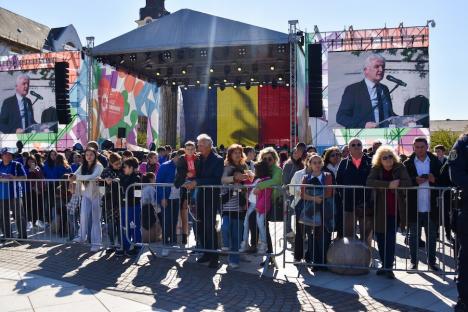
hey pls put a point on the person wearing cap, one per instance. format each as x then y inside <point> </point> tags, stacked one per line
<point>11,193</point>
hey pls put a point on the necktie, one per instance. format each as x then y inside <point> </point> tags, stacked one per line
<point>26,113</point>
<point>380,102</point>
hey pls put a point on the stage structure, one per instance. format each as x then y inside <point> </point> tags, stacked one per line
<point>344,53</point>
<point>214,75</point>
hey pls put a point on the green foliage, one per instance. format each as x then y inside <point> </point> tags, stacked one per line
<point>444,137</point>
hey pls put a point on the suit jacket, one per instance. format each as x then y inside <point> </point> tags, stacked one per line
<point>356,106</point>
<point>413,194</point>
<point>10,118</point>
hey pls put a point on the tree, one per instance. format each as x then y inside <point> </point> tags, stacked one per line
<point>444,137</point>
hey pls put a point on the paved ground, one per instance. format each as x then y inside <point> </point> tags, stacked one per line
<point>177,283</point>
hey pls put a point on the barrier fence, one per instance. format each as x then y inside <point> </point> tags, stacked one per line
<point>350,229</point>
<point>342,228</point>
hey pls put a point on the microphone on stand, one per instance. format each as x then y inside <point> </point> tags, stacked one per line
<point>396,80</point>
<point>39,97</point>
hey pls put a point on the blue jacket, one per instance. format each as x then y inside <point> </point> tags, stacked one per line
<point>9,190</point>
<point>55,172</point>
<point>166,174</point>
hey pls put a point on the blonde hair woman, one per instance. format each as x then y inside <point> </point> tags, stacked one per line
<point>388,174</point>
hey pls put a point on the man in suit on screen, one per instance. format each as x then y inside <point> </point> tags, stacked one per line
<point>366,103</point>
<point>16,113</point>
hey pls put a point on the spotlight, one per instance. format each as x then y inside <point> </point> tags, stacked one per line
<point>133,58</point>
<point>198,81</point>
<point>158,73</point>
<point>280,78</point>
<point>184,71</point>
<point>252,79</point>
<point>174,83</point>
<point>242,51</point>
<point>167,55</point>
<point>211,70</point>
<point>281,49</point>
<point>237,84</point>
<point>272,67</point>
<point>203,53</point>
<point>210,86</point>
<point>239,69</point>
<point>122,60</point>
<point>287,84</point>
<point>261,85</point>
<point>185,88</point>
<point>225,80</point>
<point>234,86</point>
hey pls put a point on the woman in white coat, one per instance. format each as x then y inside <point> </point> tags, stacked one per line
<point>86,176</point>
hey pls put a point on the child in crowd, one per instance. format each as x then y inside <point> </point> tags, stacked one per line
<point>150,228</point>
<point>260,203</point>
<point>185,173</point>
<point>130,223</point>
<point>73,211</point>
<point>111,176</point>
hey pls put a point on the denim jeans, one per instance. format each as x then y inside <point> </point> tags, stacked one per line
<point>132,226</point>
<point>245,236</point>
<point>387,242</point>
<point>430,229</point>
<point>232,229</point>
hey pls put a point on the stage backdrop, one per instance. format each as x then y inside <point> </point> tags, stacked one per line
<point>119,99</point>
<point>248,117</point>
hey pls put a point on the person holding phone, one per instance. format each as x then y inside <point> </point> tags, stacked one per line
<point>424,170</point>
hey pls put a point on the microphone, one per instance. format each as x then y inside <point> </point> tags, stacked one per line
<point>41,98</point>
<point>397,81</point>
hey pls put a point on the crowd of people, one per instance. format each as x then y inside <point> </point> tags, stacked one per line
<point>351,191</point>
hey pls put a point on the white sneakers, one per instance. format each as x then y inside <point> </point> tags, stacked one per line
<point>262,248</point>
<point>244,247</point>
<point>233,266</point>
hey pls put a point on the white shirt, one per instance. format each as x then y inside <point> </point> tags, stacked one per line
<point>21,109</point>
<point>252,196</point>
<point>424,194</point>
<point>296,190</point>
<point>371,88</point>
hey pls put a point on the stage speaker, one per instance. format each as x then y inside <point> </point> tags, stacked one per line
<point>62,91</point>
<point>122,133</point>
<point>315,80</point>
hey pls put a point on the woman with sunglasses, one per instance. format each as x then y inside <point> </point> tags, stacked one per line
<point>388,174</point>
<point>270,156</point>
<point>234,201</point>
<point>332,160</point>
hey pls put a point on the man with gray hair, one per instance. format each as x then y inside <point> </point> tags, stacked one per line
<point>209,170</point>
<point>16,112</point>
<point>366,103</point>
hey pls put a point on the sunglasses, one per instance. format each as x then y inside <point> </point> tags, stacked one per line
<point>268,159</point>
<point>356,145</point>
<point>335,155</point>
<point>388,157</point>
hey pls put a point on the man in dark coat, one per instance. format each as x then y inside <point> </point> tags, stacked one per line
<point>424,170</point>
<point>17,113</point>
<point>366,103</point>
<point>209,170</point>
<point>458,162</point>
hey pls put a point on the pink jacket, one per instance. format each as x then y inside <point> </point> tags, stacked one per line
<point>263,204</point>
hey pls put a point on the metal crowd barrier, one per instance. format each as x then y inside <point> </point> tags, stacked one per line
<point>207,219</point>
<point>61,211</point>
<point>351,229</point>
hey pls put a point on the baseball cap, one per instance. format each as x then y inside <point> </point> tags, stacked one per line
<point>5,150</point>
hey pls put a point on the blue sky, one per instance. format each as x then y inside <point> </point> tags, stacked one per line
<point>105,19</point>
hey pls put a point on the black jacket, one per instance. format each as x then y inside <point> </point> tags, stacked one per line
<point>182,170</point>
<point>356,106</point>
<point>412,205</point>
<point>209,172</point>
<point>10,117</point>
<point>349,175</point>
